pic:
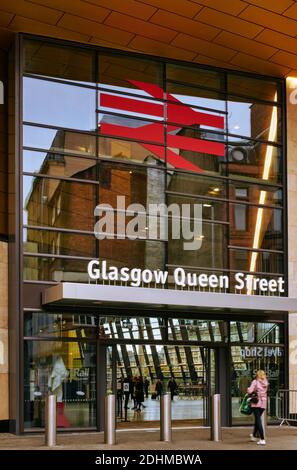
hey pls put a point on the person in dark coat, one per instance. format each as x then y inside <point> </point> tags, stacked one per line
<point>146,386</point>
<point>133,392</point>
<point>172,387</point>
<point>139,394</point>
<point>127,389</point>
<point>159,388</point>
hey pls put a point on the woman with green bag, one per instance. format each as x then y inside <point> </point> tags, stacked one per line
<point>258,399</point>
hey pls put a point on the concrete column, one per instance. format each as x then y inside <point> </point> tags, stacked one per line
<point>292,221</point>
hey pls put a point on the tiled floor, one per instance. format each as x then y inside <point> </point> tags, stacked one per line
<point>181,409</point>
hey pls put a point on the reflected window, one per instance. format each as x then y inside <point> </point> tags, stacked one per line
<point>246,360</point>
<point>195,76</point>
<point>59,61</point>
<point>60,203</point>
<point>119,73</point>
<point>64,141</point>
<point>66,369</point>
<point>56,325</point>
<point>253,120</point>
<point>50,268</point>
<point>240,210</point>
<point>197,330</point>
<point>131,328</point>
<point>59,104</point>
<point>252,159</point>
<point>244,219</point>
<point>242,332</point>
<point>261,89</point>
<point>131,151</point>
<point>266,262</point>
<point>55,164</point>
<point>256,332</point>
<point>195,185</point>
<point>272,196</point>
<point>69,244</point>
<point>198,98</point>
<point>211,210</point>
<point>132,128</point>
<point>211,253</point>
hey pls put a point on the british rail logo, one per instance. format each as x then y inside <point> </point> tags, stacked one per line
<point>168,116</point>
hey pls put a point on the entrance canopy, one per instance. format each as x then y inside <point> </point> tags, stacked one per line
<point>92,295</point>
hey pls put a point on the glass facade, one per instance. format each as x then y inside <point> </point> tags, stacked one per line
<point>61,355</point>
<point>68,369</point>
<point>99,125</point>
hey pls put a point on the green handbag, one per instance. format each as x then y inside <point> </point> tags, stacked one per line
<point>245,407</point>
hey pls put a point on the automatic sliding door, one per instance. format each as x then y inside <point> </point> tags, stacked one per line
<point>139,385</point>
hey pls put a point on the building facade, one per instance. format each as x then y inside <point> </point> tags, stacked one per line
<point>95,132</point>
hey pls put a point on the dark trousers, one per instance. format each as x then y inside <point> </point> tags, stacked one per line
<point>258,428</point>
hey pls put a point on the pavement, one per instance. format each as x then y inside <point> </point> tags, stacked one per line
<point>194,438</point>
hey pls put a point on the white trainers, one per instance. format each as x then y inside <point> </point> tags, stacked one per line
<point>261,442</point>
<point>252,438</point>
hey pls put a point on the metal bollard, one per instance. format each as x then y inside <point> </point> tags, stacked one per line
<point>50,421</point>
<point>165,418</point>
<point>216,429</point>
<point>110,420</point>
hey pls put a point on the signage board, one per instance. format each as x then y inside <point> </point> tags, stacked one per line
<point>137,277</point>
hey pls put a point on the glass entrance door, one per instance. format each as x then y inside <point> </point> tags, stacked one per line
<point>140,373</point>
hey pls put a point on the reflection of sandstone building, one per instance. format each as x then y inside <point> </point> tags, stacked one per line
<point>57,203</point>
<point>258,159</point>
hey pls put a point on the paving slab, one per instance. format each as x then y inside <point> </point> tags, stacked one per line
<point>278,438</point>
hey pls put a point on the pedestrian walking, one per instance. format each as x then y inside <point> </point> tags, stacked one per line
<point>159,388</point>
<point>258,398</point>
<point>172,386</point>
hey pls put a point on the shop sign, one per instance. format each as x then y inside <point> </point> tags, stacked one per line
<point>137,277</point>
<point>270,373</point>
<point>255,352</point>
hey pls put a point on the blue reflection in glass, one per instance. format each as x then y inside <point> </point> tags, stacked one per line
<point>59,104</point>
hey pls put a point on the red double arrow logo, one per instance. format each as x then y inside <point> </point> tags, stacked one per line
<point>177,115</point>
